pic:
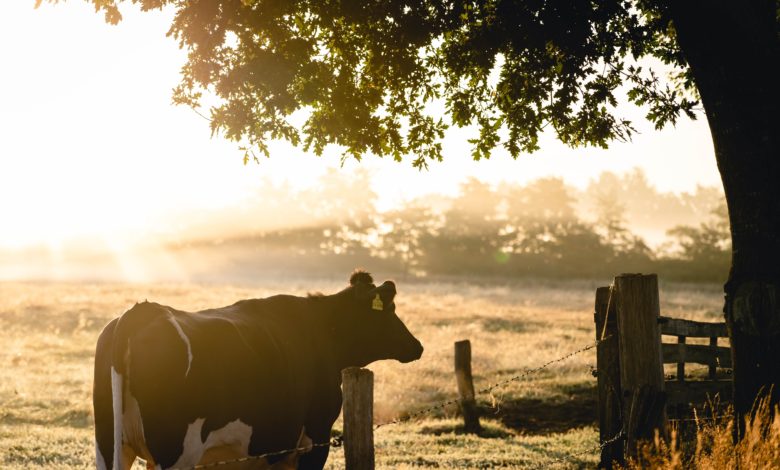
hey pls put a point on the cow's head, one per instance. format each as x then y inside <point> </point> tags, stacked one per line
<point>371,330</point>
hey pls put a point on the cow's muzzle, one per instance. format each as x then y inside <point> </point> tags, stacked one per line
<point>412,353</point>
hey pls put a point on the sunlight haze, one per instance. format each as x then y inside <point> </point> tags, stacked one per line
<point>92,148</point>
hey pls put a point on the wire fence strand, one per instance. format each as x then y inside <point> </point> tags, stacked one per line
<point>491,387</point>
<point>333,442</point>
<point>338,441</point>
<point>570,457</point>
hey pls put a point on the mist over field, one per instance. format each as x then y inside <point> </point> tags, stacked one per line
<point>546,228</point>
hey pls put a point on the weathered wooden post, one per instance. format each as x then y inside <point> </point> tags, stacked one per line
<point>641,365</point>
<point>608,378</point>
<point>358,389</point>
<point>468,404</point>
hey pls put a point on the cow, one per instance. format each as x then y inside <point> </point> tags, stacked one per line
<point>180,389</point>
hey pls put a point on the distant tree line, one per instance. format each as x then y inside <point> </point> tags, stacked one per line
<point>545,228</point>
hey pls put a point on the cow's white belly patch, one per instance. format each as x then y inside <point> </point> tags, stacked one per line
<point>229,443</point>
<point>231,440</point>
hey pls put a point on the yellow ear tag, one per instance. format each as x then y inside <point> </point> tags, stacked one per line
<point>377,303</point>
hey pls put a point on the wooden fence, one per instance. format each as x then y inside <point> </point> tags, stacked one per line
<point>683,391</point>
<point>358,408</point>
<point>635,397</point>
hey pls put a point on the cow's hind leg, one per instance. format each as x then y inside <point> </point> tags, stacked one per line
<point>128,458</point>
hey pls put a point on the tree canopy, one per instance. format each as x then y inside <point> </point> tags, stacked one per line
<point>388,77</point>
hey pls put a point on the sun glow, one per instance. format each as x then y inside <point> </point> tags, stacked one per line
<point>93,154</point>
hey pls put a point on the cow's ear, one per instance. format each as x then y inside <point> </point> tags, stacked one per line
<point>387,289</point>
<point>383,295</point>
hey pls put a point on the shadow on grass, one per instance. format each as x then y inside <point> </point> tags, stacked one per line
<point>548,416</point>
<point>488,431</point>
<point>494,324</point>
<point>552,457</point>
<point>68,418</point>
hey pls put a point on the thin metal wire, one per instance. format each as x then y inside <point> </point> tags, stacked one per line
<point>620,435</point>
<point>490,387</point>
<point>334,442</point>
<point>701,418</point>
<point>338,441</point>
<point>569,457</point>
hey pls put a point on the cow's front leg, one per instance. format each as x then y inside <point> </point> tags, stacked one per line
<point>318,425</point>
<point>315,459</point>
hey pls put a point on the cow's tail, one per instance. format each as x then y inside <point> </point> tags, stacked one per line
<point>130,322</point>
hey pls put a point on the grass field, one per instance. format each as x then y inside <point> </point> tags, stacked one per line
<point>48,332</point>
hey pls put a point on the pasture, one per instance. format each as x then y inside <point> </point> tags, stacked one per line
<point>548,421</point>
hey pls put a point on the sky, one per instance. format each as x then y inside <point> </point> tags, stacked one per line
<point>91,146</point>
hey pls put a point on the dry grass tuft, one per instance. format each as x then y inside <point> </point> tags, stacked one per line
<point>715,448</point>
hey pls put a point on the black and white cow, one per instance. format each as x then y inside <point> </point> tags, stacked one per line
<point>180,389</point>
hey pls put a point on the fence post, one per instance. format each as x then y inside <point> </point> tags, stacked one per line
<point>712,370</point>
<point>608,377</point>
<point>358,388</point>
<point>468,404</point>
<point>681,362</point>
<point>641,366</point>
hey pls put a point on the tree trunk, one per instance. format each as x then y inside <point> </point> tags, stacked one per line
<point>732,49</point>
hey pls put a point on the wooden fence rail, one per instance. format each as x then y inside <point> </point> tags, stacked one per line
<point>680,353</point>
<point>682,392</point>
<point>710,355</point>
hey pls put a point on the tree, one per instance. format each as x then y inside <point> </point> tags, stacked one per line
<point>367,72</point>
<point>469,240</point>
<point>707,243</point>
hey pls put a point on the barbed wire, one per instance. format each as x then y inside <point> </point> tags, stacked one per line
<point>569,457</point>
<point>339,440</point>
<point>491,387</point>
<point>701,418</point>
